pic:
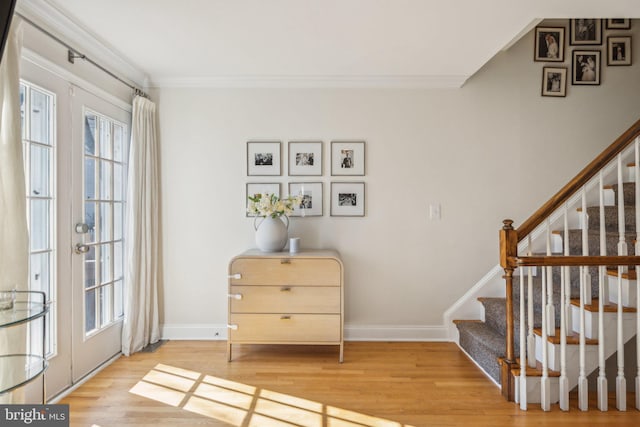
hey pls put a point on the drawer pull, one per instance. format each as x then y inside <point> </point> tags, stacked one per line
<point>235,296</point>
<point>234,327</point>
<point>285,261</point>
<point>285,317</point>
<point>285,289</point>
<point>236,276</point>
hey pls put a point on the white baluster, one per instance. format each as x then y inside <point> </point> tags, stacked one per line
<point>602,376</point>
<point>545,385</point>
<point>567,275</point>
<point>564,380</point>
<point>531,339</point>
<point>585,246</point>
<point>551,311</point>
<point>621,382</point>
<point>637,252</point>
<point>523,352</point>
<point>583,388</point>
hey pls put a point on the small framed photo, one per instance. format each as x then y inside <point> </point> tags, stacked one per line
<point>305,158</point>
<point>347,158</point>
<point>618,24</point>
<point>586,67</point>
<point>549,44</point>
<point>585,31</point>
<point>347,199</point>
<point>619,50</point>
<point>311,192</point>
<point>554,81</point>
<point>263,158</point>
<point>255,188</point>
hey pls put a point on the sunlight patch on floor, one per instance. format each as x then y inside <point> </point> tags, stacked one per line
<point>241,405</point>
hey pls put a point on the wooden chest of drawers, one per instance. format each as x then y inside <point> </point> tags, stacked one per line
<point>280,298</point>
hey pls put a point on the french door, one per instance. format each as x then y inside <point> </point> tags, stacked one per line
<point>75,146</point>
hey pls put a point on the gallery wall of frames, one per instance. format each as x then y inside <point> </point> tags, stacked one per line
<point>298,168</point>
<point>577,51</point>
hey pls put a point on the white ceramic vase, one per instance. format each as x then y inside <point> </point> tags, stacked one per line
<point>271,233</point>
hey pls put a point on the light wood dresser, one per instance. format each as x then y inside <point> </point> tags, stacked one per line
<point>282,298</point>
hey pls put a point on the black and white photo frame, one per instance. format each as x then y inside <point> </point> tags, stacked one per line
<point>586,67</point>
<point>549,44</point>
<point>348,199</point>
<point>618,24</point>
<point>585,31</point>
<point>305,158</point>
<point>263,158</point>
<point>312,198</point>
<point>254,188</point>
<point>618,50</point>
<point>347,158</point>
<point>554,81</point>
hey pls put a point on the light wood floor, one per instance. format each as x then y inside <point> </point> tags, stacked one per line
<point>190,383</point>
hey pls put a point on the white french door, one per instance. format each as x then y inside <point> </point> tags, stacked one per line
<point>100,135</point>
<point>75,146</point>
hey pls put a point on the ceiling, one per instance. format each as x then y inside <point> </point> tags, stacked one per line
<point>423,43</point>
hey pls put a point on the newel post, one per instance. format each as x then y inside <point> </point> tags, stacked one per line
<point>508,251</point>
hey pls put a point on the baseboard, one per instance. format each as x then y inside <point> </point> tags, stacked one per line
<point>351,332</point>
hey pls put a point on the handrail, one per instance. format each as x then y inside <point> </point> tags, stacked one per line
<point>574,261</point>
<point>579,181</point>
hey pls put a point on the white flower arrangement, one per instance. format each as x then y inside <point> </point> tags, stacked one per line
<point>271,205</point>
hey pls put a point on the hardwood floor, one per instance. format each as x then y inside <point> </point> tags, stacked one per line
<point>190,383</point>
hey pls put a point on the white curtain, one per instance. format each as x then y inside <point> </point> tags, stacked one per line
<point>142,240</point>
<point>14,234</point>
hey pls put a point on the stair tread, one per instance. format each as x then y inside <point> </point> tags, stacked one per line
<point>573,339</point>
<point>460,321</point>
<point>608,308</point>
<point>631,275</point>
<point>533,372</point>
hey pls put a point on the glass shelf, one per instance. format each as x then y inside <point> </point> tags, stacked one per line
<point>28,306</point>
<point>19,369</point>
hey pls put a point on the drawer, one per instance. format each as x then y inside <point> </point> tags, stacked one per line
<point>286,271</point>
<point>286,299</point>
<point>293,328</point>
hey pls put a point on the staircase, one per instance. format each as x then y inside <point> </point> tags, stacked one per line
<point>585,239</point>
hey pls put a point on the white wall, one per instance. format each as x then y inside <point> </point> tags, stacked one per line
<point>491,150</point>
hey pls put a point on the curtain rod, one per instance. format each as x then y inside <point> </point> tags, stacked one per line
<point>74,53</point>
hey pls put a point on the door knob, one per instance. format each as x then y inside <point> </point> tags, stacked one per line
<point>80,248</point>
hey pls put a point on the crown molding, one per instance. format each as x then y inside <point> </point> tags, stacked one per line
<point>53,20</point>
<point>421,82</point>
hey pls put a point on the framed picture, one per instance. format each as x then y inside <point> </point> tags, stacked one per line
<point>619,50</point>
<point>254,188</point>
<point>347,158</point>
<point>549,44</point>
<point>311,193</point>
<point>585,31</point>
<point>263,158</point>
<point>554,81</point>
<point>586,67</point>
<point>618,24</point>
<point>347,199</point>
<point>305,158</point>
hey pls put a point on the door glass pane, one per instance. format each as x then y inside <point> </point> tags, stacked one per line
<point>105,180</point>
<point>118,135</point>
<point>90,267</point>
<point>40,273</point>
<point>117,182</point>
<point>89,178</point>
<point>105,139</point>
<point>90,310</point>
<point>90,220</point>
<point>40,117</point>
<point>40,170</point>
<point>39,225</point>
<point>106,309</point>
<point>118,299</point>
<point>105,263</point>
<point>117,220</point>
<point>23,94</point>
<point>90,134</point>
<point>105,222</point>
<point>117,260</point>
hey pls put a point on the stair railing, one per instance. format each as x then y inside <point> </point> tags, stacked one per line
<point>545,256</point>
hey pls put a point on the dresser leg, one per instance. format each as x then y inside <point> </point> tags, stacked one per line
<point>341,352</point>
<point>228,351</point>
